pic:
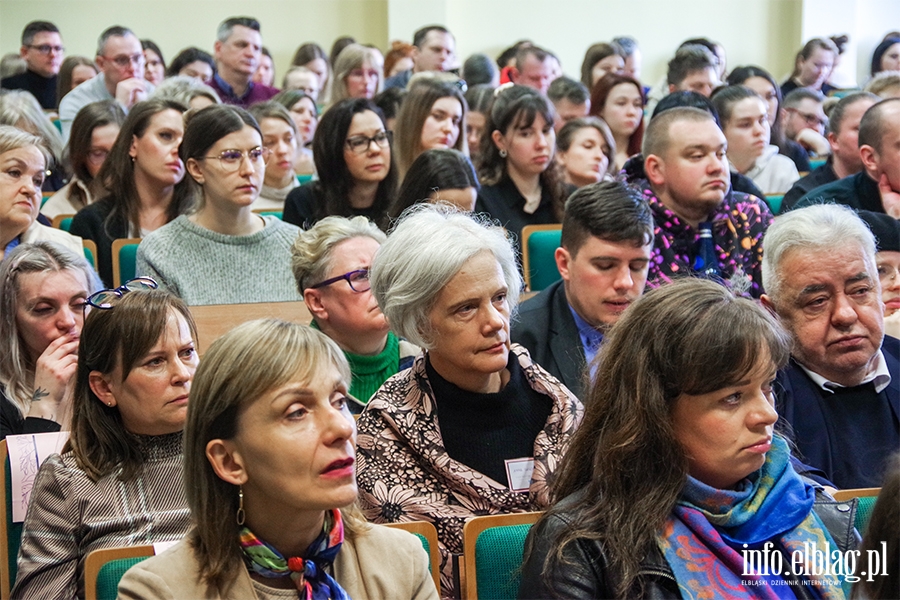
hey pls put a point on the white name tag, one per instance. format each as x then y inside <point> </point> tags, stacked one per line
<point>160,547</point>
<point>518,472</point>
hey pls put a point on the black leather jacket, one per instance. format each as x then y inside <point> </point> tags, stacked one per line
<point>585,574</point>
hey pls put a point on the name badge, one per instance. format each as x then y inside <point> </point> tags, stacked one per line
<point>518,472</point>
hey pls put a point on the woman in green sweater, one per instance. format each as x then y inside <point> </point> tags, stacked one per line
<point>331,264</point>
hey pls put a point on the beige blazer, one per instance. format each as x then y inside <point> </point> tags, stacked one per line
<point>381,563</point>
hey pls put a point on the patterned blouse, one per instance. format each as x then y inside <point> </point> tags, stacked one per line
<point>739,224</point>
<point>70,515</point>
<point>405,474</point>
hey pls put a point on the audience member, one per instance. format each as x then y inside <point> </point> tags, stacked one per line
<point>431,116</point>
<point>339,44</point>
<point>449,284</point>
<point>480,69</point>
<point>265,71</point>
<point>812,67</point>
<point>632,55</point>
<point>120,60</point>
<point>600,59</point>
<point>883,535</point>
<point>313,57</point>
<point>820,278</point>
<point>745,124</point>
<point>507,58</point>
<point>877,186</point>
<point>43,53</point>
<point>269,467</point>
<point>353,158</point>
<point>843,136</point>
<point>154,64</point>
<point>189,91</point>
<point>571,100</point>
<point>222,253</point>
<point>23,162</point>
<point>75,70</point>
<point>302,79</point>
<point>804,120</point>
<point>534,68</point>
<point>886,56</point>
<point>886,230</point>
<point>305,113</point>
<point>521,184</point>
<point>279,137</point>
<point>18,108</point>
<point>586,151</point>
<point>398,58</point>
<point>43,287</point>
<point>142,178</point>
<point>761,81</point>
<point>331,263</point>
<point>689,467</point>
<point>479,99</point>
<point>619,101</point>
<point>434,49</point>
<point>687,187</point>
<point>192,62</point>
<point>357,74</point>
<point>116,479</point>
<point>238,49</point>
<point>693,68</point>
<point>603,258</point>
<point>94,132</point>
<point>885,85</point>
<point>12,64</point>
<point>389,101</point>
<point>438,175</point>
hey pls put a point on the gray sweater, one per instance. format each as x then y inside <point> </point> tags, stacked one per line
<point>205,267</point>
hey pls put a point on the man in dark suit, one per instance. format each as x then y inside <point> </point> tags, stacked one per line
<point>840,391</point>
<point>607,240</point>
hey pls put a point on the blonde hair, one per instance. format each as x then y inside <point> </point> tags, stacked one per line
<point>20,109</point>
<point>311,251</point>
<point>352,57</point>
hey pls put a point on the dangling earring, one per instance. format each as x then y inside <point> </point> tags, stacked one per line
<point>240,511</point>
<point>503,153</point>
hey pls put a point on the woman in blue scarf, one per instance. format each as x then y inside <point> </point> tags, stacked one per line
<point>270,478</point>
<point>676,485</point>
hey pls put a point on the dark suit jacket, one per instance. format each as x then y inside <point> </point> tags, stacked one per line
<point>800,402</point>
<point>545,327</point>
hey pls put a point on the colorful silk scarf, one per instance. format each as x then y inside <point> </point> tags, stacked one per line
<point>703,539</point>
<point>308,572</point>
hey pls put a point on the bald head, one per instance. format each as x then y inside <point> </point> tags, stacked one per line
<point>877,121</point>
<point>657,138</point>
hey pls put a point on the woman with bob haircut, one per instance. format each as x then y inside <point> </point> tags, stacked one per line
<point>143,177</point>
<point>223,252</point>
<point>303,110</point>
<point>23,164</point>
<point>313,57</point>
<point>352,150</point>
<point>358,73</point>
<point>94,131</point>
<point>269,473</point>
<point>43,288</point>
<point>886,56</point>
<point>113,483</point>
<point>19,108</point>
<point>432,116</point>
<point>438,175</point>
<point>619,101</point>
<point>600,59</point>
<point>74,71</point>
<point>448,282</point>
<point>331,263</point>
<point>586,151</point>
<point>521,184</point>
<point>677,469</point>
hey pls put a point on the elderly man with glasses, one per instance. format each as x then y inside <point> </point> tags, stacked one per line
<point>120,60</point>
<point>43,53</point>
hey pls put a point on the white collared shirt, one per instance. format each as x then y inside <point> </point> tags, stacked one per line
<point>878,374</point>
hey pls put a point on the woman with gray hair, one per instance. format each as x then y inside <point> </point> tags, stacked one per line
<point>19,109</point>
<point>449,282</point>
<point>331,263</point>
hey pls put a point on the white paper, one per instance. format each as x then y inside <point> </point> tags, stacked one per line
<point>160,547</point>
<point>518,471</point>
<point>26,453</point>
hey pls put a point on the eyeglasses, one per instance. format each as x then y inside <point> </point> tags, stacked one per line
<point>358,280</point>
<point>104,298</point>
<point>359,144</point>
<point>124,60</point>
<point>47,49</point>
<point>809,118</point>
<point>231,159</point>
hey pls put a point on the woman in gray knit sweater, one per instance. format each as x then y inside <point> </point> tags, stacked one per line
<point>223,253</point>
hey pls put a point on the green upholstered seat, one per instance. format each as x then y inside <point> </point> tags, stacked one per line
<point>498,561</point>
<point>864,513</point>
<point>774,201</point>
<point>110,574</point>
<point>540,249</point>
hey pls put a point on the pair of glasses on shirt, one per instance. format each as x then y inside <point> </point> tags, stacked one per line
<point>105,299</point>
<point>358,280</point>
<point>231,159</point>
<point>360,144</point>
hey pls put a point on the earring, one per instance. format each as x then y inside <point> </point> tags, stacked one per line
<point>132,159</point>
<point>503,153</point>
<point>109,403</point>
<point>241,516</point>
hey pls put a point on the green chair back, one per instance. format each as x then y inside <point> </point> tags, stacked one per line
<point>301,179</point>
<point>541,263</point>
<point>272,213</point>
<point>815,163</point>
<point>66,224</point>
<point>128,262</point>
<point>90,257</point>
<point>425,545</point>
<point>110,574</point>
<point>498,561</point>
<point>864,513</point>
<point>774,202</point>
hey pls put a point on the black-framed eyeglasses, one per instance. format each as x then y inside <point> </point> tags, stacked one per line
<point>360,144</point>
<point>104,298</point>
<point>231,159</point>
<point>47,49</point>
<point>358,280</point>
